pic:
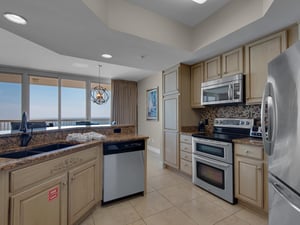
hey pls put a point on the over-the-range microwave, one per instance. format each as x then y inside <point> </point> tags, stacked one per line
<point>226,90</point>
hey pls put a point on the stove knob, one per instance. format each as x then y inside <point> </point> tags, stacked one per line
<point>247,122</point>
<point>217,121</point>
<point>242,122</point>
<point>220,122</point>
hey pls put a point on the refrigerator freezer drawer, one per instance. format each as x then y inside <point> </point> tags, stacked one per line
<point>283,203</point>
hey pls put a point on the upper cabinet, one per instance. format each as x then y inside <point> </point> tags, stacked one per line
<point>213,68</point>
<point>257,56</point>
<point>233,62</point>
<point>197,78</point>
<point>226,64</point>
<point>170,82</point>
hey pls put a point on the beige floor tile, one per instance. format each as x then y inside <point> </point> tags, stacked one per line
<point>180,193</point>
<point>163,181</point>
<point>139,222</point>
<point>171,216</point>
<point>251,217</point>
<point>150,204</point>
<point>150,188</point>
<point>232,220</point>
<point>203,211</point>
<point>121,214</point>
<point>223,204</point>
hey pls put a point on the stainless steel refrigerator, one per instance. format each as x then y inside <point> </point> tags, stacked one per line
<point>280,113</point>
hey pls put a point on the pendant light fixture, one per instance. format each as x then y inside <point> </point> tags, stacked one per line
<point>99,94</point>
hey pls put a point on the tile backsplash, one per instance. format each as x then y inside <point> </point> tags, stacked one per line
<point>234,111</point>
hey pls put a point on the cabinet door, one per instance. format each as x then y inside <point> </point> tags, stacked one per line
<point>45,204</point>
<point>258,55</point>
<point>170,110</point>
<point>233,62</point>
<point>213,68</point>
<point>171,149</point>
<point>170,81</point>
<point>197,73</point>
<point>83,190</point>
<point>249,180</point>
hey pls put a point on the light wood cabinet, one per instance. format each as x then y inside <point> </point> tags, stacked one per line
<point>197,78</point>
<point>170,82</point>
<point>45,204</point>
<point>171,154</point>
<point>212,68</point>
<point>83,183</point>
<point>232,62</point>
<point>58,191</point>
<point>257,56</point>
<point>186,154</point>
<point>251,175</point>
<point>177,110</point>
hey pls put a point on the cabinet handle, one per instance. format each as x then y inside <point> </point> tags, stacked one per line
<point>64,183</point>
<point>247,151</point>
<point>73,178</point>
<point>258,168</point>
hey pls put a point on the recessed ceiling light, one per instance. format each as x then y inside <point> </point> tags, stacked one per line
<point>199,1</point>
<point>15,18</point>
<point>106,56</point>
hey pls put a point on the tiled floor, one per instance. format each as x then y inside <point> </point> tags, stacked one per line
<point>172,199</point>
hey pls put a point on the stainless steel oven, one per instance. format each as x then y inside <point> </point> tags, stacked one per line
<point>213,167</point>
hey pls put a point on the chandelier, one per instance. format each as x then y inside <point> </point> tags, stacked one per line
<point>99,94</point>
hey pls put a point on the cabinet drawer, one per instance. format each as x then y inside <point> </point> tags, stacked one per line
<point>28,176</point>
<point>186,156</point>
<point>186,166</point>
<point>249,151</point>
<point>186,147</point>
<point>186,139</point>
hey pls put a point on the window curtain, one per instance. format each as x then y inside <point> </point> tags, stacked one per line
<point>124,102</point>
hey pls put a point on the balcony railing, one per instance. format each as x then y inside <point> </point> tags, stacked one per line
<point>6,124</point>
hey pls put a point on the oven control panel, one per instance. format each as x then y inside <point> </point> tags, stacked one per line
<point>231,122</point>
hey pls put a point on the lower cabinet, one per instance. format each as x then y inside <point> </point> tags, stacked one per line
<point>45,204</point>
<point>186,154</point>
<point>56,192</point>
<point>82,190</point>
<point>171,156</point>
<point>250,184</point>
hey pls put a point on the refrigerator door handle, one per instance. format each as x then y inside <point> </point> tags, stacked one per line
<point>268,141</point>
<point>288,195</point>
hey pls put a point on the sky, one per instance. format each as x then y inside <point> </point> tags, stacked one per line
<point>44,103</point>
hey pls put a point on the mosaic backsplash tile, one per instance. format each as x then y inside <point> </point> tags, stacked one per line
<point>240,111</point>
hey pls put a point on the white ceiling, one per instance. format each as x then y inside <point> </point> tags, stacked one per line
<point>183,11</point>
<point>63,32</point>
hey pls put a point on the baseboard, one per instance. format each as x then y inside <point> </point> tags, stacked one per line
<point>153,149</point>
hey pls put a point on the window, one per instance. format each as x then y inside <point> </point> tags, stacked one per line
<point>10,99</point>
<point>101,113</point>
<point>73,100</point>
<point>43,98</point>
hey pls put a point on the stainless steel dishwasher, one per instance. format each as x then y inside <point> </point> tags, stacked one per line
<point>123,169</point>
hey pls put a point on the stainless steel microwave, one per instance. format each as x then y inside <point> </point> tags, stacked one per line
<point>226,90</point>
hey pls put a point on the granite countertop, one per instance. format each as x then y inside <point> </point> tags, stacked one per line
<point>8,164</point>
<point>249,141</point>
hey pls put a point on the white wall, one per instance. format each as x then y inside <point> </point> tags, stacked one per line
<point>153,129</point>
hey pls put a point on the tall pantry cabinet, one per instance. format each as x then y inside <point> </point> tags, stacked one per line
<point>177,110</point>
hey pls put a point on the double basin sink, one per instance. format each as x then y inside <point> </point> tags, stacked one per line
<point>35,151</point>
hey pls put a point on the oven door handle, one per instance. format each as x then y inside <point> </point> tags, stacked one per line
<point>212,162</point>
<point>210,142</point>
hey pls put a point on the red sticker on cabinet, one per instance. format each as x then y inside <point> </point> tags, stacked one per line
<point>53,194</point>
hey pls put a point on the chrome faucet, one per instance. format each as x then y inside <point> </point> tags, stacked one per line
<point>25,136</point>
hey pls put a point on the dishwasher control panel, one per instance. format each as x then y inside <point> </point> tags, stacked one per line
<point>121,147</point>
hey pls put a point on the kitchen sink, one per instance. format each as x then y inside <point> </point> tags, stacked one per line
<point>35,151</point>
<point>49,148</point>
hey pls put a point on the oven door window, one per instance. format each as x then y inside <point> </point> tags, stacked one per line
<point>211,150</point>
<point>211,175</point>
